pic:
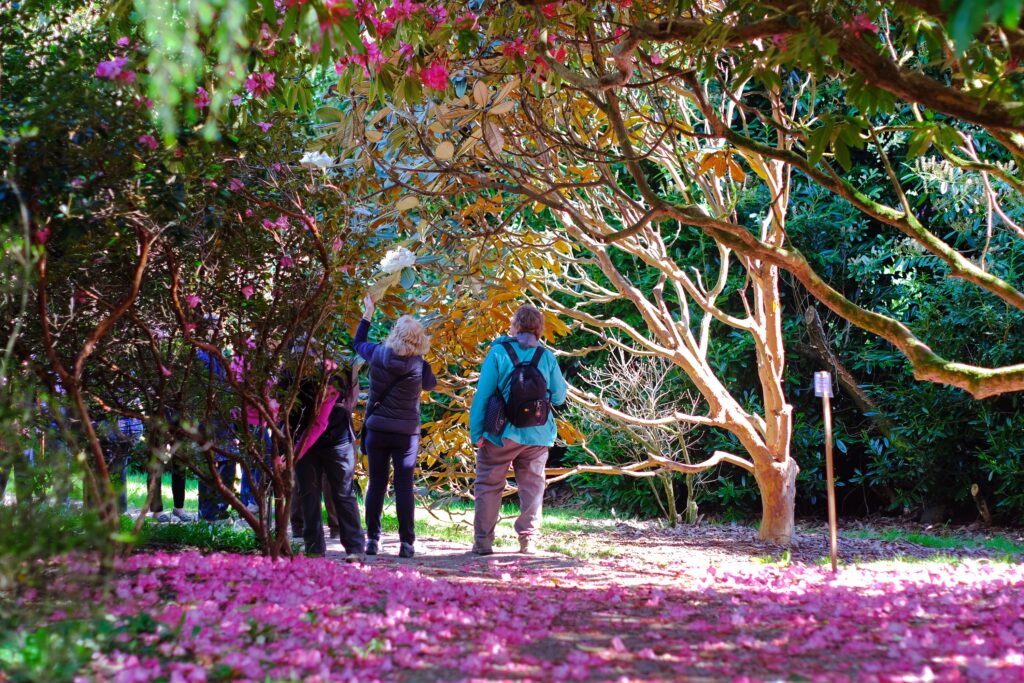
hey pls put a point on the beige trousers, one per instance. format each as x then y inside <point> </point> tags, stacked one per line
<point>492,463</point>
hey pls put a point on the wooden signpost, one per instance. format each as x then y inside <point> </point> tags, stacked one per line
<point>823,388</point>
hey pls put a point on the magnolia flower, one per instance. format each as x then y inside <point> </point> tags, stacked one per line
<point>396,259</point>
<point>192,300</point>
<point>316,160</point>
<point>248,291</point>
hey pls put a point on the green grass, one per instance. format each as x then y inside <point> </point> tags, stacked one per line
<point>564,530</point>
<point>1000,544</point>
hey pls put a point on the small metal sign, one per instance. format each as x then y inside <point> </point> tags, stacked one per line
<point>823,383</point>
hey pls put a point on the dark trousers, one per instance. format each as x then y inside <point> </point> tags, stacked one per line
<point>382,450</point>
<point>211,505</point>
<point>336,465</point>
<point>116,452</point>
<point>332,512</point>
<point>177,488</point>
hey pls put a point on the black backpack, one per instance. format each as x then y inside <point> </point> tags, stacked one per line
<point>529,400</point>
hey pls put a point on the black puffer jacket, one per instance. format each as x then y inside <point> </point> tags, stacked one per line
<point>399,413</point>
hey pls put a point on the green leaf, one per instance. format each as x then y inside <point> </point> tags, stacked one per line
<point>350,27</point>
<point>408,278</point>
<point>842,152</point>
<point>290,20</point>
<point>330,114</point>
<point>818,139</point>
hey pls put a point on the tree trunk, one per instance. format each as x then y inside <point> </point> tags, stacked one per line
<point>777,481</point>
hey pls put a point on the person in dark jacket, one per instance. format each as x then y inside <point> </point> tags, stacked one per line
<point>326,421</point>
<point>398,374</point>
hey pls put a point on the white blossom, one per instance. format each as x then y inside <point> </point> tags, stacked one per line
<point>396,259</point>
<point>317,160</point>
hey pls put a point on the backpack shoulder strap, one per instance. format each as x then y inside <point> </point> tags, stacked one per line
<point>511,351</point>
<point>537,355</point>
<point>387,390</point>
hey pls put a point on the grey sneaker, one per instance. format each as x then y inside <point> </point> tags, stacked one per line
<point>372,546</point>
<point>354,558</point>
<point>406,550</point>
<point>183,516</point>
<point>479,549</point>
<point>162,517</point>
<point>527,546</point>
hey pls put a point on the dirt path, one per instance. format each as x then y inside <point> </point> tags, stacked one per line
<point>647,554</point>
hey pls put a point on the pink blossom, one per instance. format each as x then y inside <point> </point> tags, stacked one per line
<point>248,291</point>
<point>337,244</point>
<point>264,126</point>
<point>41,236</point>
<point>249,213</point>
<point>861,24</point>
<point>550,11</point>
<point>148,141</point>
<point>286,262</point>
<point>236,100</point>
<point>111,69</point>
<point>435,76</point>
<point>124,41</point>
<point>438,12</point>
<point>236,185</point>
<point>192,300</point>
<point>657,59</point>
<point>165,371</point>
<point>202,98</point>
<point>516,48</point>
<point>401,10</point>
<point>260,83</point>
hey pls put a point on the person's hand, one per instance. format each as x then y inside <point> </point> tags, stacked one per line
<point>368,307</point>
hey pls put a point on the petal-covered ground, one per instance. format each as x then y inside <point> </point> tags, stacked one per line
<point>230,617</point>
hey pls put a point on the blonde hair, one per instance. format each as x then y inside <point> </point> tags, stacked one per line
<point>528,319</point>
<point>407,337</point>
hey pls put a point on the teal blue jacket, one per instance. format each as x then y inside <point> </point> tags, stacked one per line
<point>495,373</point>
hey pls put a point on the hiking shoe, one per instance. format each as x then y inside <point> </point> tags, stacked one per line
<point>527,546</point>
<point>162,517</point>
<point>482,550</point>
<point>406,550</point>
<point>334,533</point>
<point>372,547</point>
<point>354,558</point>
<point>183,516</point>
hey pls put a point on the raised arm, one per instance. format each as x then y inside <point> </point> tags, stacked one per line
<point>363,347</point>
<point>429,380</point>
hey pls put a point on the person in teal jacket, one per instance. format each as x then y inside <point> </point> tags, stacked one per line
<point>524,449</point>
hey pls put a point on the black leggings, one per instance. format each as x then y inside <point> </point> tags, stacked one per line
<point>177,488</point>
<point>382,450</point>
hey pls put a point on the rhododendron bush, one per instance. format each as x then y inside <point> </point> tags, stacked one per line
<point>192,617</point>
